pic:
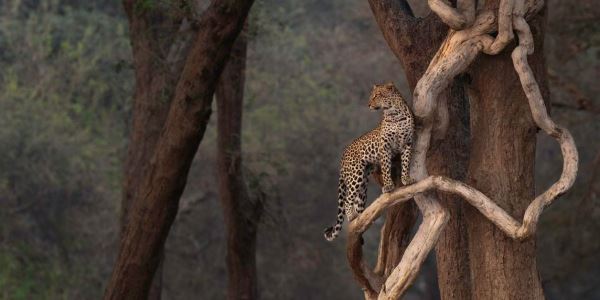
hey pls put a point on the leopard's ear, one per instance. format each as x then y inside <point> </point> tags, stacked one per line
<point>390,86</point>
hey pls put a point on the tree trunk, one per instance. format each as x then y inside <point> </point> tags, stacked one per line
<point>414,41</point>
<point>156,197</point>
<point>503,138</point>
<point>153,90</point>
<point>241,214</point>
<point>449,157</point>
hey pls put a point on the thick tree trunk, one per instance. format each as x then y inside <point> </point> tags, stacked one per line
<point>241,214</point>
<point>414,41</point>
<point>153,91</point>
<point>503,137</point>
<point>450,158</point>
<point>156,198</point>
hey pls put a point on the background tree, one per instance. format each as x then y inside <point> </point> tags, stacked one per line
<point>241,210</point>
<point>156,198</point>
<point>152,29</point>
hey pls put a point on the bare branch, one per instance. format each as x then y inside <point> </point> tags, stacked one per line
<point>449,15</point>
<point>542,120</point>
<point>433,223</point>
<point>505,31</point>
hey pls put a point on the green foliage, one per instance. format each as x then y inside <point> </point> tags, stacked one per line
<point>64,89</point>
<point>27,275</point>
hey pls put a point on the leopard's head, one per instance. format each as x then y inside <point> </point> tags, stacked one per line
<point>383,96</point>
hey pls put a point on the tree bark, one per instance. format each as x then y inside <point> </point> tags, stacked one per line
<point>449,157</point>
<point>414,41</point>
<point>156,197</point>
<point>241,214</point>
<point>153,91</point>
<point>503,137</point>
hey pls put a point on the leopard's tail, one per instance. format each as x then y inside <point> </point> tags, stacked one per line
<point>332,232</point>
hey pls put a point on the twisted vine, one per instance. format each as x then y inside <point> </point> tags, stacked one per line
<point>469,36</point>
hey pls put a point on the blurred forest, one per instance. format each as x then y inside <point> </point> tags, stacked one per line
<point>66,83</point>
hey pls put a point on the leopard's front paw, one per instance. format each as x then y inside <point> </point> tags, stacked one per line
<point>407,180</point>
<point>387,189</point>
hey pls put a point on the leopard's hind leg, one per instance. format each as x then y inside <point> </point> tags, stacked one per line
<point>405,160</point>
<point>362,194</point>
<point>352,201</point>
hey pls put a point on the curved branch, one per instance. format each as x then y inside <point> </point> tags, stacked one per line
<point>505,30</point>
<point>449,15</point>
<point>542,120</point>
<point>480,201</point>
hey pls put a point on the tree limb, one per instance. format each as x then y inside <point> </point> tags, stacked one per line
<point>455,19</point>
<point>505,31</point>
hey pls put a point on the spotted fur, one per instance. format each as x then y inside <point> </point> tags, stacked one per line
<point>374,149</point>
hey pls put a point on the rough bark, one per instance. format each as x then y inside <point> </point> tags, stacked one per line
<point>414,41</point>
<point>153,91</point>
<point>449,157</point>
<point>502,166</point>
<point>156,197</point>
<point>241,214</point>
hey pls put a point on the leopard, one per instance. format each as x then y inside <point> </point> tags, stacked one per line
<point>372,151</point>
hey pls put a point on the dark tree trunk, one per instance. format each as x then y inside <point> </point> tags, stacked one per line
<point>155,197</point>
<point>503,137</point>
<point>153,91</point>
<point>241,214</point>
<point>414,41</point>
<point>395,236</point>
<point>449,157</point>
